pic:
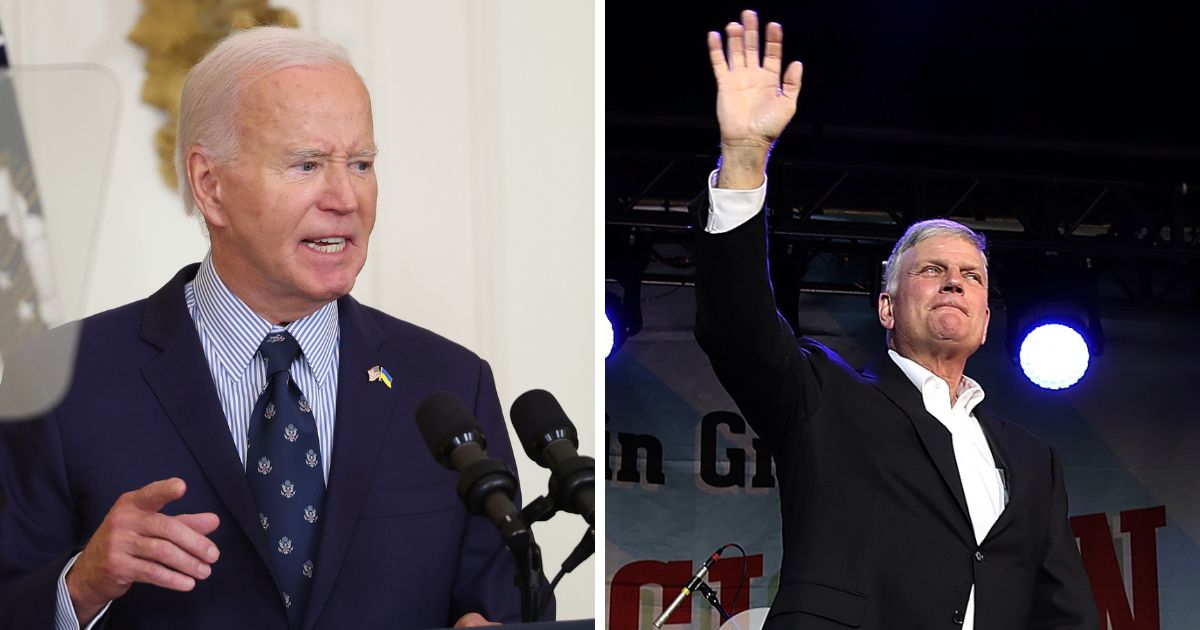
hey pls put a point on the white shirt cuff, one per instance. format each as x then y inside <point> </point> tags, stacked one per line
<point>64,610</point>
<point>729,208</point>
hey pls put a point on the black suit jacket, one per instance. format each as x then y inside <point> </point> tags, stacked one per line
<point>876,532</point>
<point>398,549</point>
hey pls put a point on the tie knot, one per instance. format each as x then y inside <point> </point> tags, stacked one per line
<point>279,349</point>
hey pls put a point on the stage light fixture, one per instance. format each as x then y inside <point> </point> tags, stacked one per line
<point>606,336</point>
<point>623,321</point>
<point>1054,329</point>
<point>625,259</point>
<point>1054,355</point>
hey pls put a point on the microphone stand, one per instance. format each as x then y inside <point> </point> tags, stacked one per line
<point>529,560</point>
<point>479,480</point>
<point>541,509</point>
<point>528,557</point>
<point>711,595</point>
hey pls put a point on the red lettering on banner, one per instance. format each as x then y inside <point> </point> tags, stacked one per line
<point>627,584</point>
<point>628,581</point>
<point>728,571</point>
<point>1104,571</point>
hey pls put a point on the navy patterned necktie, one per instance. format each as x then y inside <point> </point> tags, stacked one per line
<point>284,469</point>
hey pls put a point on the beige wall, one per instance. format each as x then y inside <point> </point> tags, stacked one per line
<point>484,116</point>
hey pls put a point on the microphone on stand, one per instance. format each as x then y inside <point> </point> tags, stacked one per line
<point>550,440</point>
<point>485,484</point>
<point>692,585</point>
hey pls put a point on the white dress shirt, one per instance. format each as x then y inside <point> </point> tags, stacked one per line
<point>983,483</point>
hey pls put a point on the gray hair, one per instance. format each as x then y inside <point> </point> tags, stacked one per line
<point>208,107</point>
<point>920,231</point>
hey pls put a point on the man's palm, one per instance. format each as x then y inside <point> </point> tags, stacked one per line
<point>752,106</point>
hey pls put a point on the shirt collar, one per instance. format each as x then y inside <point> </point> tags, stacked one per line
<point>237,330</point>
<point>970,393</point>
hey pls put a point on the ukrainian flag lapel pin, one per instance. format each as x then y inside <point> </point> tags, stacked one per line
<point>377,373</point>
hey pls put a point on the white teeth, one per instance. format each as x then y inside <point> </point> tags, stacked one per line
<point>327,245</point>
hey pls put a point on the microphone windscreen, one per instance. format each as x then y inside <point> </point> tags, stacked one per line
<point>441,417</point>
<point>536,414</point>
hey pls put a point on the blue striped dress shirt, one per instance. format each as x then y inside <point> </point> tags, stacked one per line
<point>230,333</point>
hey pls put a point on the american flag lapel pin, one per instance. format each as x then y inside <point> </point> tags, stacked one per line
<point>377,373</point>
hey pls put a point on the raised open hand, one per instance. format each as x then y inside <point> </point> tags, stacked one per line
<point>753,105</point>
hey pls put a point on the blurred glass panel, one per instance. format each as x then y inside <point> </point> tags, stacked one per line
<point>57,126</point>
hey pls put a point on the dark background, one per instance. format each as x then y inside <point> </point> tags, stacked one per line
<point>1081,88</point>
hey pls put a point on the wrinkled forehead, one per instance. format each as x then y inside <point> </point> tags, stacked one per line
<point>326,109</point>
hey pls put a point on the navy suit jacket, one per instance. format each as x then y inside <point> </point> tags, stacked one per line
<point>398,548</point>
<point>876,531</point>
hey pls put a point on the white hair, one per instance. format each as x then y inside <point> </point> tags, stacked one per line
<point>920,231</point>
<point>208,106</point>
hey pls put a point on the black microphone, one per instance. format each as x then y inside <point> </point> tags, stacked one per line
<point>550,439</point>
<point>485,485</point>
<point>692,585</point>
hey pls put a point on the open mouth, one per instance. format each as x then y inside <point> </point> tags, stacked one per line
<point>326,245</point>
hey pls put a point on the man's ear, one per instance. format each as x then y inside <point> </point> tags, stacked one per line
<point>206,186</point>
<point>886,317</point>
<point>987,319</point>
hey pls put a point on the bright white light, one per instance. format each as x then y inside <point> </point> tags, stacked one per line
<point>1054,356</point>
<point>605,337</point>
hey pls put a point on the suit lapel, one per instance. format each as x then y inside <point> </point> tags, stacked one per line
<point>364,410</point>
<point>181,382</point>
<point>1008,457</point>
<point>934,437</point>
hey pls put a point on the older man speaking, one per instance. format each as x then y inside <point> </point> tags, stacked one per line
<point>905,504</point>
<point>238,450</point>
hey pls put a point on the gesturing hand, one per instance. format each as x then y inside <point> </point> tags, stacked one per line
<point>135,543</point>
<point>473,620</point>
<point>752,106</point>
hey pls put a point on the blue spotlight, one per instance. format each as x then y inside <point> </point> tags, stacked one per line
<point>615,327</point>
<point>1054,356</point>
<point>606,337</point>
